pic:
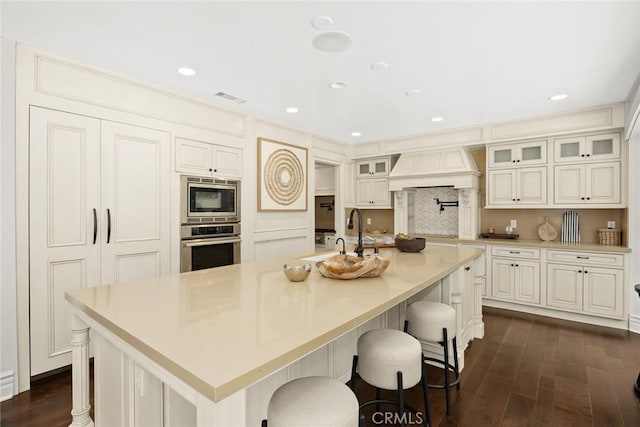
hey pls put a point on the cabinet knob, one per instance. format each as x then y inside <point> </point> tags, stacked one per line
<point>210,170</point>
<point>513,200</point>
<point>588,155</point>
<point>517,265</point>
<point>215,170</point>
<point>585,272</point>
<point>467,268</point>
<point>579,271</point>
<point>581,198</point>
<point>518,161</point>
<point>581,155</point>
<point>513,161</point>
<point>588,198</point>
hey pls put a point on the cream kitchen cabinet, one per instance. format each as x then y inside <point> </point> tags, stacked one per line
<point>521,154</point>
<point>587,148</point>
<point>517,187</point>
<point>203,158</point>
<point>99,213</point>
<point>591,183</point>
<point>515,273</point>
<point>373,193</point>
<point>373,167</point>
<point>586,282</point>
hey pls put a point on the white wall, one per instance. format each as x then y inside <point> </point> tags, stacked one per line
<point>8,331</point>
<point>634,226</point>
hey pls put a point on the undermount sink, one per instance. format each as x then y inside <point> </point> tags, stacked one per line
<point>338,266</point>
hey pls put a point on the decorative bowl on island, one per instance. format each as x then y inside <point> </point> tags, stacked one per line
<point>351,267</point>
<point>405,243</point>
<point>297,273</point>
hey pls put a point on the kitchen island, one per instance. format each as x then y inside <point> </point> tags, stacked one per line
<point>209,347</point>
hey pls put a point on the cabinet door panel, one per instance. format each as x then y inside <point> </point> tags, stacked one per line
<point>363,192</point>
<point>532,186</point>
<point>603,147</point>
<point>380,195</point>
<point>227,162</point>
<point>502,187</point>
<point>571,149</point>
<point>603,182</point>
<point>502,275</point>
<point>532,153</point>
<point>564,287</point>
<point>135,190</point>
<point>501,156</point>
<point>193,157</point>
<point>64,174</point>
<point>569,184</point>
<point>603,291</point>
<point>527,277</point>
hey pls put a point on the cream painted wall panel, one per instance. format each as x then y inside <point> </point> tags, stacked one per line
<point>454,137</point>
<point>574,121</point>
<point>68,80</point>
<point>280,247</point>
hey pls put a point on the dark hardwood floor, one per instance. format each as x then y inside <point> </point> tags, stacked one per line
<point>527,371</point>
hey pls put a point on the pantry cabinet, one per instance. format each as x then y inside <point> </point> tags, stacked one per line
<point>521,186</point>
<point>99,213</point>
<point>592,183</point>
<point>203,158</point>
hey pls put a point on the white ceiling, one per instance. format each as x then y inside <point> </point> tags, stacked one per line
<point>474,62</point>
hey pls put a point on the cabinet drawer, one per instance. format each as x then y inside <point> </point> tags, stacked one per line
<point>589,258</point>
<point>515,252</point>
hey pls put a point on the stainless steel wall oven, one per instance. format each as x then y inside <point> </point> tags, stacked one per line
<point>210,231</point>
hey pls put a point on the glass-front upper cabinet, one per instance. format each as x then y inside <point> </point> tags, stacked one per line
<point>587,148</point>
<point>373,167</point>
<point>524,153</point>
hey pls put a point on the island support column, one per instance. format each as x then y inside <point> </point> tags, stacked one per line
<point>80,374</point>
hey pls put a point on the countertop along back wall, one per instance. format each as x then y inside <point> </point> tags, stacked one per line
<point>530,219</point>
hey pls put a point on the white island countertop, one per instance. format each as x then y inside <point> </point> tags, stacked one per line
<point>222,329</point>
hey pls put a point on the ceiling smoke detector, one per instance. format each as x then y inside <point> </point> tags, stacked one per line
<point>230,97</point>
<point>332,41</point>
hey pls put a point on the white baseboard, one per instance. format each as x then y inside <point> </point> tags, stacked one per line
<point>634,323</point>
<point>6,385</point>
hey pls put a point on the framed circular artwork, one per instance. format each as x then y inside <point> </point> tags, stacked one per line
<point>282,176</point>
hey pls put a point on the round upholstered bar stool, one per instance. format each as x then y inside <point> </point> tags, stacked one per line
<point>389,359</point>
<point>434,322</point>
<point>313,402</point>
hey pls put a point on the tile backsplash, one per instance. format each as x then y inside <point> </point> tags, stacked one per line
<point>428,218</point>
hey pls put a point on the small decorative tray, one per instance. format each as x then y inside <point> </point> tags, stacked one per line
<point>499,236</point>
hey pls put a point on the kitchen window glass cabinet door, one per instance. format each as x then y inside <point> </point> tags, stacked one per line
<point>99,213</point>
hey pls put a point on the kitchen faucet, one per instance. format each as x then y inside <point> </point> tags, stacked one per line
<point>359,250</point>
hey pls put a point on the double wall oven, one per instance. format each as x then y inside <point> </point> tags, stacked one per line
<point>210,231</point>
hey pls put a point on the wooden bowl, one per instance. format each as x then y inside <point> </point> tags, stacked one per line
<point>415,244</point>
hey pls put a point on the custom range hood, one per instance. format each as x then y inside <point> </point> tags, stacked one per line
<point>452,167</point>
<point>435,168</point>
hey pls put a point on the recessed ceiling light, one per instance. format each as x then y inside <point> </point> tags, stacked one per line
<point>332,41</point>
<point>558,97</point>
<point>185,71</point>
<point>379,66</point>
<point>355,134</point>
<point>413,92</point>
<point>321,22</point>
<point>291,110</point>
<point>337,85</point>
<point>437,119</point>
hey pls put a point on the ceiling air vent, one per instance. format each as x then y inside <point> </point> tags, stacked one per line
<point>230,97</point>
